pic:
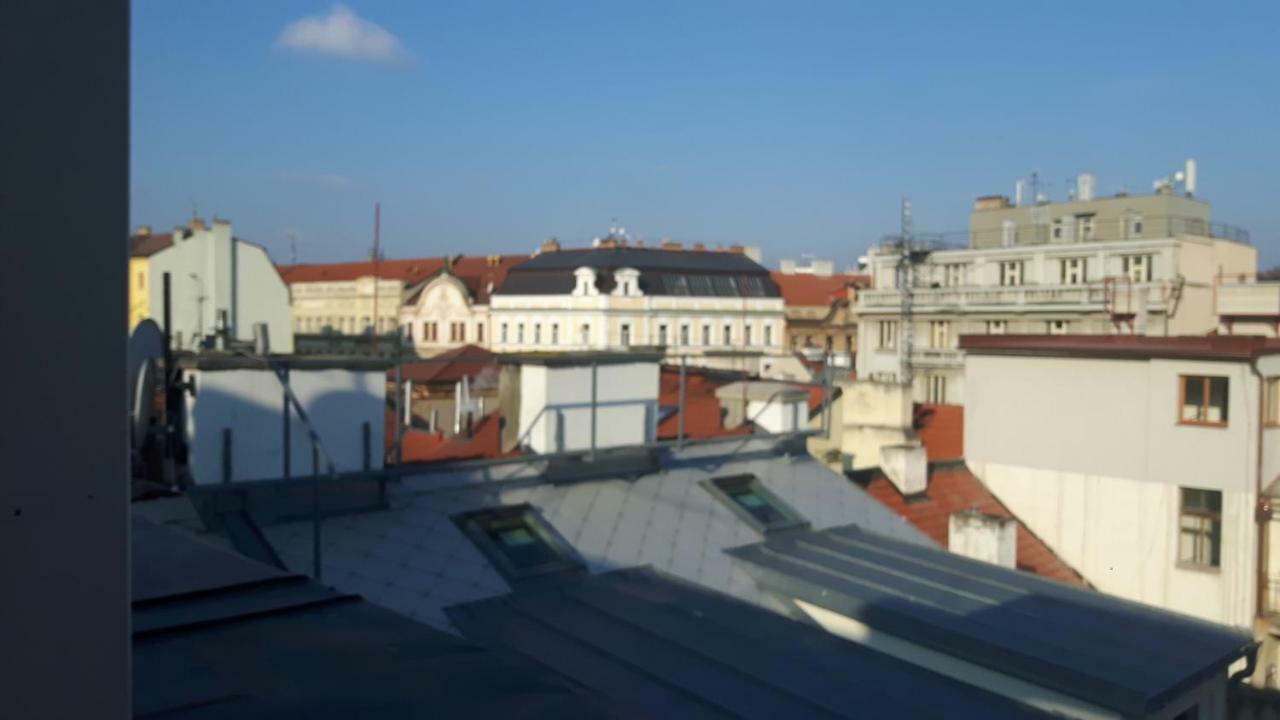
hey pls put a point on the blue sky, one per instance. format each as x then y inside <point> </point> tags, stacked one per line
<point>795,126</point>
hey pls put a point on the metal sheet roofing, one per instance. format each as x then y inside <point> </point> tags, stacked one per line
<point>662,272</point>
<point>668,648</point>
<point>1110,652</point>
<point>218,636</point>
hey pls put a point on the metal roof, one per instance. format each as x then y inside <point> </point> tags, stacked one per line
<point>220,636</point>
<point>662,272</point>
<point>668,648</point>
<point>1118,654</point>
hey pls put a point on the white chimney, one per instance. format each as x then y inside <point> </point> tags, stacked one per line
<point>984,537</point>
<point>1189,179</point>
<point>1018,187</point>
<point>1086,187</point>
<point>906,466</point>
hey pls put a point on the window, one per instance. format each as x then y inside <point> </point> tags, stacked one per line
<point>1271,401</point>
<point>728,334</point>
<point>888,335</point>
<point>706,334</point>
<point>480,333</point>
<point>684,334</point>
<point>555,333</point>
<point>700,285</point>
<point>537,333</point>
<point>518,542</point>
<point>1204,400</point>
<point>662,334</point>
<point>1011,273</point>
<point>751,501</point>
<point>746,335</point>
<point>503,332</point>
<point>520,333</point>
<point>1057,228</point>
<point>1200,528</point>
<point>939,334</point>
<point>953,274</point>
<point>676,284</point>
<point>625,334</point>
<point>768,334</point>
<point>725,285</point>
<point>1074,271</point>
<point>1084,227</point>
<point>937,392</point>
<point>586,333</point>
<point>997,327</point>
<point>1056,327</point>
<point>751,286</point>
<point>1137,267</point>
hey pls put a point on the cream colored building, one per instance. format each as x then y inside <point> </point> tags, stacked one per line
<point>1246,307</point>
<point>1116,265</point>
<point>450,308</point>
<point>1148,464</point>
<point>714,306</point>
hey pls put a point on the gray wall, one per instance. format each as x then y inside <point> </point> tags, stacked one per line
<point>63,481</point>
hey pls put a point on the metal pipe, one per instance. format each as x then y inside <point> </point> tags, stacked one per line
<point>1262,509</point>
<point>680,404</point>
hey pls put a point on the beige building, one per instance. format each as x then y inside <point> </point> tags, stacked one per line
<point>1117,265</point>
<point>1149,464</point>
<point>821,312</point>
<point>1245,306</point>
<point>701,303</point>
<point>450,308</point>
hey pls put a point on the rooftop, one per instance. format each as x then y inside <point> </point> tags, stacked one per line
<point>816,290</point>
<point>1136,347</point>
<point>699,273</point>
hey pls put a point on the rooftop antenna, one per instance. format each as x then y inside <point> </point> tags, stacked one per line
<point>910,254</point>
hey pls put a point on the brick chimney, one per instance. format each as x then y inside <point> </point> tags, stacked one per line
<point>143,231</point>
<point>550,245</point>
<point>669,244</point>
<point>737,250</point>
<point>195,224</point>
<point>608,243</point>
<point>699,247</point>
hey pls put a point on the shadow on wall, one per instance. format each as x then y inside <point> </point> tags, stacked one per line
<point>234,437</point>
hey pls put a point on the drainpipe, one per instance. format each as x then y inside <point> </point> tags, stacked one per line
<point>1262,507</point>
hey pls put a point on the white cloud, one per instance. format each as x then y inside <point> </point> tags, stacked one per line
<point>333,181</point>
<point>342,33</point>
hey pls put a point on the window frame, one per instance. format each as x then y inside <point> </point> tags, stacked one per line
<point>724,489</point>
<point>1207,531</point>
<point>476,526</point>
<point>1206,404</point>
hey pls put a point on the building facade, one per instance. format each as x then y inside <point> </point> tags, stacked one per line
<point>822,314</point>
<point>1148,464</point>
<point>698,303</point>
<point>220,286</point>
<point>1116,265</point>
<point>450,308</point>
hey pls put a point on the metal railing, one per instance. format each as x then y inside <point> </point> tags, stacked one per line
<point>1133,226</point>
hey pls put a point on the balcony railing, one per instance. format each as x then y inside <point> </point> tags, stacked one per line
<point>993,297</point>
<point>1243,300</point>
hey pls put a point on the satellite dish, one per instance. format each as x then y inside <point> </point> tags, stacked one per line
<point>146,346</point>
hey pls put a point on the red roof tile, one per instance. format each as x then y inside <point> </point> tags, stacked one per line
<point>956,490</point>
<point>702,414</point>
<point>941,429</point>
<point>815,289</point>
<point>421,446</point>
<point>475,271</point>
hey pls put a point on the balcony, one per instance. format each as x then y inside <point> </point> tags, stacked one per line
<point>1024,297</point>
<point>1246,300</point>
<point>936,357</point>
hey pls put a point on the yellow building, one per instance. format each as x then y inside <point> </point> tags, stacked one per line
<point>142,244</point>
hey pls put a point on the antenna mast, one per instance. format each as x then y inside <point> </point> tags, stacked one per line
<point>906,282</point>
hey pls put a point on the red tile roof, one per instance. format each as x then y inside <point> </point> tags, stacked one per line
<point>1210,347</point>
<point>956,490</point>
<point>702,415</point>
<point>941,429</point>
<point>816,290</point>
<point>475,271</point>
<point>421,446</point>
<point>448,367</point>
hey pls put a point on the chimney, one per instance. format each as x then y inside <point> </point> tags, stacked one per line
<point>143,231</point>
<point>984,537</point>
<point>494,260</point>
<point>195,224</point>
<point>906,467</point>
<point>550,245</point>
<point>669,244</point>
<point>699,247</point>
<point>991,202</point>
<point>607,243</point>
<point>737,250</point>
<point>1086,187</point>
<point>639,243</point>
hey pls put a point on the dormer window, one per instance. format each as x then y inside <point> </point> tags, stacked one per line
<point>585,282</point>
<point>626,282</point>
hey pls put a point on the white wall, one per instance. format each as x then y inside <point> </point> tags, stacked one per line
<point>569,428</point>
<point>778,416</point>
<point>1088,453</point>
<point>251,403</point>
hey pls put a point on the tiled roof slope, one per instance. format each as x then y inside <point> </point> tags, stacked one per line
<point>815,290</point>
<point>941,429</point>
<point>414,560</point>
<point>954,489</point>
<point>147,245</point>
<point>476,271</point>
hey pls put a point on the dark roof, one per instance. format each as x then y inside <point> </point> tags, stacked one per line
<point>1118,654</point>
<point>448,367</point>
<point>216,635</point>
<point>149,244</point>
<point>666,647</point>
<point>1133,347</point>
<point>697,273</point>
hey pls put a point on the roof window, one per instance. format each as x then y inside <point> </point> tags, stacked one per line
<point>751,501</point>
<point>518,542</point>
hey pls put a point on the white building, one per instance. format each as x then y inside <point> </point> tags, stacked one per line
<point>218,283</point>
<point>450,308</point>
<point>692,302</point>
<point>1141,265</point>
<point>1148,464</point>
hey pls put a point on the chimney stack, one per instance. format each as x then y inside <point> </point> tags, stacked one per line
<point>699,247</point>
<point>669,244</point>
<point>737,250</point>
<point>980,536</point>
<point>143,231</point>
<point>550,245</point>
<point>195,223</point>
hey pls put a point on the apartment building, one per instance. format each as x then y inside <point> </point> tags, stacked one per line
<point>821,311</point>
<point>220,287</point>
<point>438,303</point>
<point>694,302</point>
<point>1124,264</point>
<point>1244,305</point>
<point>1149,464</point>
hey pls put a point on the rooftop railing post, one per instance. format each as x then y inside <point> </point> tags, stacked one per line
<point>680,403</point>
<point>594,390</point>
<point>226,455</point>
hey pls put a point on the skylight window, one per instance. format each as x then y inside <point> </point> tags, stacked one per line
<point>751,286</point>
<point>700,285</point>
<point>751,501</point>
<point>518,542</point>
<point>725,285</point>
<point>676,284</point>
